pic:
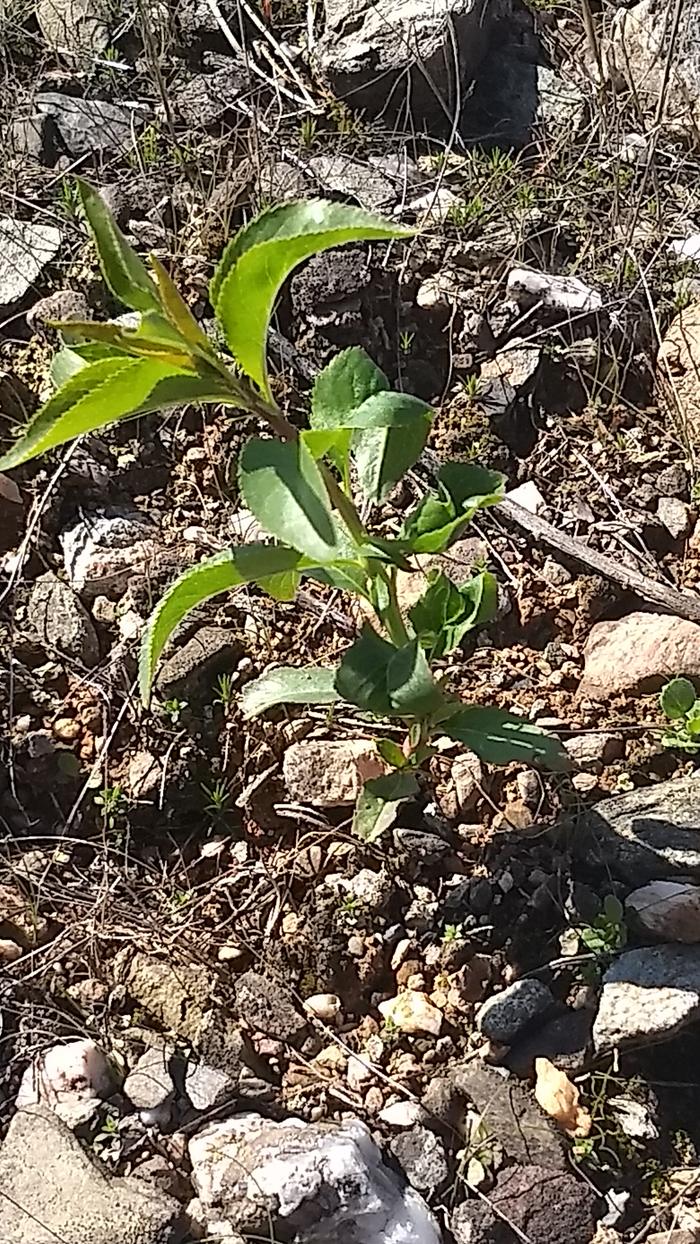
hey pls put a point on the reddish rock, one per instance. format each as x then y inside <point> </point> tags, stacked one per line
<point>639,654</point>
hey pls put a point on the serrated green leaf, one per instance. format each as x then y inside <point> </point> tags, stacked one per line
<point>92,398</point>
<point>122,269</point>
<point>677,698</point>
<point>361,676</point>
<point>398,427</point>
<point>378,803</point>
<point>282,486</point>
<point>500,737</point>
<point>288,685</point>
<point>412,689</point>
<point>441,517</point>
<point>391,752</point>
<point>342,387</point>
<point>345,575</point>
<point>178,312</point>
<point>263,254</point>
<point>281,587</point>
<point>242,564</point>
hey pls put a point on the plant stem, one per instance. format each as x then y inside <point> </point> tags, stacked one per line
<point>391,617</point>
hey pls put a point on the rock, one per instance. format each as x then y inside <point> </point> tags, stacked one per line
<point>510,1116</point>
<point>203,100</point>
<point>33,138</point>
<point>458,564</point>
<point>330,774</point>
<point>678,365</point>
<point>176,995</point>
<point>63,304</point>
<point>560,102</point>
<point>61,622</point>
<point>412,1012</point>
<point>103,552</point>
<point>639,653</point>
<point>594,750</point>
<point>434,208</point>
<point>10,952</point>
<point>20,919</point>
<point>564,1040</point>
<point>144,775</point>
<point>88,126</point>
<point>324,1006</point>
<point>648,995</point>
<point>25,250</point>
<point>676,1236</point>
<point>371,889</point>
<point>317,1182</point>
<point>666,909</point>
<point>192,669</point>
<point>544,1207</point>
<point>640,52</point>
<point>650,833</point>
<point>511,374</point>
<point>402,1114</point>
<point>421,1154</point>
<point>503,1017</point>
<point>151,1086</point>
<point>207,1087</point>
<point>43,1166</point>
<point>70,1079</point>
<point>359,181</point>
<point>676,516</point>
<point>528,496</point>
<point>385,56</point>
<point>263,1005</point>
<point>75,28</point>
<point>529,288</point>
<point>468,779</point>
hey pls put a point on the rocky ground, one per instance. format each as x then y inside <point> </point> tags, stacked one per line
<point>221,1016</point>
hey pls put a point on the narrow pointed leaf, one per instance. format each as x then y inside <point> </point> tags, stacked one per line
<point>92,398</point>
<point>288,685</point>
<point>261,257</point>
<point>282,486</point>
<point>122,269</point>
<point>242,564</point>
<point>178,312</point>
<point>500,737</point>
<point>379,801</point>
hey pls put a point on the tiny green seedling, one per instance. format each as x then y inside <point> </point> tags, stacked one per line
<point>112,803</point>
<point>174,709</point>
<point>226,692</point>
<point>314,490</point>
<point>608,933</point>
<point>451,933</point>
<point>219,795</point>
<point>680,704</point>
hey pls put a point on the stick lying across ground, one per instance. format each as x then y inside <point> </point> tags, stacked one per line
<point>672,600</point>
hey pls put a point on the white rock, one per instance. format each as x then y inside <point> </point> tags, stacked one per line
<point>413,1013</point>
<point>528,287</point>
<point>10,952</point>
<point>668,909</point>
<point>359,1073</point>
<point>435,206</point>
<point>25,249</point>
<point>323,1006</point>
<point>70,1079</point>
<point>402,1114</point>
<point>676,516</point>
<point>330,774</point>
<point>468,777</point>
<point>686,248</point>
<point>592,751</point>
<point>103,552</point>
<point>648,995</point>
<point>528,496</point>
<point>323,1183</point>
<point>373,890</point>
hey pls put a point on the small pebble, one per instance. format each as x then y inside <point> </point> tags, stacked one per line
<point>359,1073</point>
<point>404,948</point>
<point>356,946</point>
<point>412,1013</point>
<point>402,1114</point>
<point>374,1100</point>
<point>324,1006</point>
<point>9,951</point>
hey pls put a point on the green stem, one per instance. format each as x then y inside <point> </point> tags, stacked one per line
<point>391,617</point>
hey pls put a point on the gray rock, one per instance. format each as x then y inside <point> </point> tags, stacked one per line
<point>422,1156</point>
<point>208,1087</point>
<point>318,1182</point>
<point>511,1119</point>
<point>194,667</point>
<point>564,1040</point>
<point>152,1085</point>
<point>669,910</point>
<point>560,103</point>
<point>25,249</point>
<point>503,1017</point>
<point>76,28</point>
<point>648,995</point>
<point>263,1004</point>
<point>509,376</point>
<point>360,181</point>
<point>103,552</point>
<point>63,304</point>
<point>54,1191</point>
<point>529,288</point>
<point>638,53</point>
<point>544,1206</point>
<point>207,96</point>
<point>33,137</point>
<point>647,834</point>
<point>676,516</point>
<point>376,56</point>
<point>592,751</point>
<point>87,126</point>
<point>61,622</point>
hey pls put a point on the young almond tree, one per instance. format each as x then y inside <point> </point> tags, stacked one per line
<point>303,486</point>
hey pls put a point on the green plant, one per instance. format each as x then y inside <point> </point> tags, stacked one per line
<point>304,487</point>
<point>406,341</point>
<point>219,795</point>
<point>112,803</point>
<point>680,704</point>
<point>467,213</point>
<point>70,200</point>
<point>307,132</point>
<point>607,934</point>
<point>174,709</point>
<point>225,688</point>
<point>451,933</point>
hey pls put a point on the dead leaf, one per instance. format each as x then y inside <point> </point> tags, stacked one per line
<point>559,1098</point>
